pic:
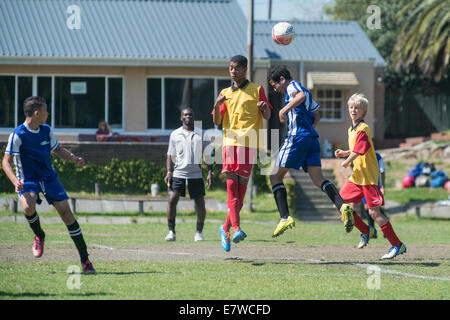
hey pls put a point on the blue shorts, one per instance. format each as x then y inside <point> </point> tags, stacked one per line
<point>50,187</point>
<point>299,152</point>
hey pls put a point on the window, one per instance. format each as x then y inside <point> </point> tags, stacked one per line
<point>25,90</point>
<point>167,96</point>
<point>7,104</point>
<point>80,102</point>
<point>331,104</point>
<point>115,99</point>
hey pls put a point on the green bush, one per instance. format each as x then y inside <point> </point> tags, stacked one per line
<point>130,177</point>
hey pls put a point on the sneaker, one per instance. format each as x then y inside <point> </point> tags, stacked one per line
<point>88,268</point>
<point>171,236</point>
<point>372,232</point>
<point>225,236</point>
<point>347,217</point>
<point>239,235</point>
<point>198,236</point>
<point>283,225</point>
<point>394,251</point>
<point>38,247</point>
<point>364,240</point>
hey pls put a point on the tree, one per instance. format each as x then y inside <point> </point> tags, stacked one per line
<point>423,42</point>
<point>384,38</point>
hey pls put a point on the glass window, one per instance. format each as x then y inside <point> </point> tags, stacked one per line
<point>154,104</point>
<point>115,96</point>
<point>79,102</point>
<point>25,91</point>
<point>197,94</point>
<point>331,103</point>
<point>7,105</point>
<point>222,84</point>
<point>44,89</point>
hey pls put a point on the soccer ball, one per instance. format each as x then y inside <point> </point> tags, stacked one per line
<point>283,33</point>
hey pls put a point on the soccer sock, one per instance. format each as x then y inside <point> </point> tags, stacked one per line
<point>329,188</point>
<point>242,191</point>
<point>370,221</point>
<point>360,225</point>
<point>388,231</point>
<point>77,237</point>
<point>171,224</point>
<point>280,195</point>
<point>233,202</point>
<point>35,225</point>
<point>200,226</point>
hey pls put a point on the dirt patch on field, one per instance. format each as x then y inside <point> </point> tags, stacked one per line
<point>211,250</point>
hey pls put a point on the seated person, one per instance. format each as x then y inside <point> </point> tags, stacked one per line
<point>103,131</point>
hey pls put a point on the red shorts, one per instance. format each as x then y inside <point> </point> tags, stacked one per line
<point>238,159</point>
<point>354,193</point>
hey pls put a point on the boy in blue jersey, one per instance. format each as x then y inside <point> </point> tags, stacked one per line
<point>301,147</point>
<point>30,146</point>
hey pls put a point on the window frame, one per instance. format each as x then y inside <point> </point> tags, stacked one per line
<point>333,99</point>
<point>51,107</point>
<point>163,130</point>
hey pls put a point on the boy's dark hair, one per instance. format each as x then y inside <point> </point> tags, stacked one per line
<point>32,104</point>
<point>276,72</point>
<point>240,60</point>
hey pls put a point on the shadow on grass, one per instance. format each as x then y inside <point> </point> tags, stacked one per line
<point>382,263</point>
<point>42,294</point>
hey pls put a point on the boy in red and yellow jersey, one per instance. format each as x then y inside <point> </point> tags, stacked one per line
<point>240,109</point>
<point>364,179</point>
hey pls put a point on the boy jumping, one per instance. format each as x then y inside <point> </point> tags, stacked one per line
<point>300,148</point>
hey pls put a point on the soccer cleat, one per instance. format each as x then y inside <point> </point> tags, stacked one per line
<point>225,236</point>
<point>198,236</point>
<point>394,251</point>
<point>372,232</point>
<point>239,235</point>
<point>283,225</point>
<point>38,247</point>
<point>171,236</point>
<point>88,268</point>
<point>364,240</point>
<point>347,217</point>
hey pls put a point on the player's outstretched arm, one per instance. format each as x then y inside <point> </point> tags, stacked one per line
<point>65,154</point>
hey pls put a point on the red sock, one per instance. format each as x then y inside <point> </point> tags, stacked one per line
<point>242,190</point>
<point>388,231</point>
<point>233,203</point>
<point>359,224</point>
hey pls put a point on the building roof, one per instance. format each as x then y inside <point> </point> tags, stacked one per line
<point>163,32</point>
<point>335,41</point>
<point>131,32</point>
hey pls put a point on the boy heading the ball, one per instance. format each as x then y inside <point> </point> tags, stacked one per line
<point>31,145</point>
<point>364,179</point>
<point>240,109</point>
<point>301,147</point>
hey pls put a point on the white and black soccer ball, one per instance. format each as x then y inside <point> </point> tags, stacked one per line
<point>283,33</point>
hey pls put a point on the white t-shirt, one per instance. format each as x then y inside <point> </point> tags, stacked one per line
<point>185,148</point>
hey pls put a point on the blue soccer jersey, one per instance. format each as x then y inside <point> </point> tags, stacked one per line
<point>301,118</point>
<point>31,150</point>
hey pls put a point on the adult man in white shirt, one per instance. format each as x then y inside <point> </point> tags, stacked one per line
<point>184,166</point>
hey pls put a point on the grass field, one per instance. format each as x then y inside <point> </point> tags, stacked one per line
<point>311,261</point>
